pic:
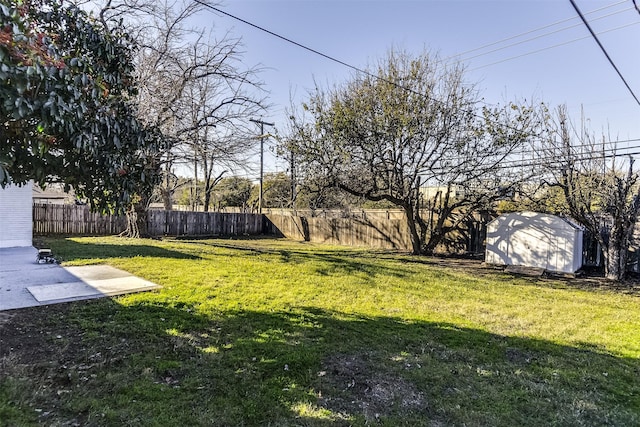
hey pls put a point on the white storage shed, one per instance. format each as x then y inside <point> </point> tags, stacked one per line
<point>533,239</point>
<point>16,216</point>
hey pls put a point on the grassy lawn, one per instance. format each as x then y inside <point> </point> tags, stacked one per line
<point>280,333</point>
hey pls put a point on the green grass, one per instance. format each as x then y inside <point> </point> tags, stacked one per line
<point>279,333</point>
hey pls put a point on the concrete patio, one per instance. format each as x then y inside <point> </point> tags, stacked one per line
<point>26,283</point>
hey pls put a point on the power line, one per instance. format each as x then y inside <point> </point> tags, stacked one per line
<point>549,152</point>
<point>314,51</point>
<point>551,47</point>
<point>539,155</point>
<point>360,70</point>
<point>510,158</point>
<point>357,69</point>
<point>535,30</point>
<point>613,144</point>
<point>463,58</point>
<point>595,37</point>
<point>331,58</point>
<point>555,161</point>
<point>550,158</point>
<point>300,45</point>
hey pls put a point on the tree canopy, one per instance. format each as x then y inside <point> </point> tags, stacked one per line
<point>411,122</point>
<point>66,84</point>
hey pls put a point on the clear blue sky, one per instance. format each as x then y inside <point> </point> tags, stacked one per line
<point>361,31</point>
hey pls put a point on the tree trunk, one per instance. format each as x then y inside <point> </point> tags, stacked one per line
<point>142,220</point>
<point>207,198</point>
<point>167,199</point>
<point>416,242</point>
<point>616,253</point>
<point>615,263</point>
<point>136,221</point>
<point>434,239</point>
<point>437,231</point>
<point>209,185</point>
<point>132,230</point>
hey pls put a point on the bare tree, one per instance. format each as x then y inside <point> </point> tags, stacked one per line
<point>193,83</point>
<point>408,123</point>
<point>190,84</point>
<point>215,128</point>
<point>600,187</point>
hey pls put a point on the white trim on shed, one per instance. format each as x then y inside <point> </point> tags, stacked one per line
<point>534,239</point>
<point>16,216</point>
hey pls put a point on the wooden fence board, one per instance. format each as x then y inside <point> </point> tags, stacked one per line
<point>373,232</point>
<point>79,220</point>
<point>74,220</point>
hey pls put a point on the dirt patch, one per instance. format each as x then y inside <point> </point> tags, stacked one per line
<point>351,382</point>
<point>48,358</point>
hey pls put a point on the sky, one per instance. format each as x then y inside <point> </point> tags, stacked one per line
<point>512,49</point>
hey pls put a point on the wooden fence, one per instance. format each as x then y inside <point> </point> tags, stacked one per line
<point>339,213</point>
<point>51,219</point>
<point>372,232</point>
<point>74,220</point>
<point>183,223</point>
<point>384,230</point>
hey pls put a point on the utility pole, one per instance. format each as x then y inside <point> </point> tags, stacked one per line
<point>293,180</point>
<point>262,136</point>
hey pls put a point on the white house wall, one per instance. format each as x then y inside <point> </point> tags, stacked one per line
<point>534,240</point>
<point>16,216</point>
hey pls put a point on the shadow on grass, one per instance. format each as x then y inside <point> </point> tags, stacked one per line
<point>100,363</point>
<point>129,248</point>
<point>329,261</point>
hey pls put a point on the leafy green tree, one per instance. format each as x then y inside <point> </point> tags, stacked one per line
<point>276,191</point>
<point>189,193</point>
<point>409,122</point>
<point>66,84</point>
<point>543,199</point>
<point>233,191</point>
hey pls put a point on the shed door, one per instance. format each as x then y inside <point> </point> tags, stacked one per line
<point>560,256</point>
